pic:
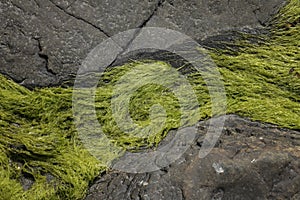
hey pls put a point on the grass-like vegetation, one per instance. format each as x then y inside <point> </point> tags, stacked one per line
<point>258,79</point>
<point>38,136</point>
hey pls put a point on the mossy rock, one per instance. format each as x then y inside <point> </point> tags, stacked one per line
<point>39,139</point>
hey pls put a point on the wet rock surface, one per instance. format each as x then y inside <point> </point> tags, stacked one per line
<point>43,42</point>
<point>251,160</point>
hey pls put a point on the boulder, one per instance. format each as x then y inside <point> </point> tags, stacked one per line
<point>43,42</point>
<point>251,160</point>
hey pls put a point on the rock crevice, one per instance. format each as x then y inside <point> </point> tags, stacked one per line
<point>65,10</point>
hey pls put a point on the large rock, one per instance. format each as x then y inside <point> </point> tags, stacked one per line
<point>203,19</point>
<point>251,160</point>
<point>43,42</point>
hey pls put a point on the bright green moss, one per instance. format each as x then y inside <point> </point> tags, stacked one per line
<point>258,79</point>
<point>141,101</point>
<point>38,135</point>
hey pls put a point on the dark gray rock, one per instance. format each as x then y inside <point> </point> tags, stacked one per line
<point>251,160</point>
<point>27,180</point>
<point>43,42</point>
<point>203,19</point>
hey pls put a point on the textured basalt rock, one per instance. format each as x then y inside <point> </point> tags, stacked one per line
<point>251,160</point>
<point>43,42</point>
<point>203,19</point>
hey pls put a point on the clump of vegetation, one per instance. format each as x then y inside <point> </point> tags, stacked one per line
<point>257,78</point>
<point>39,139</point>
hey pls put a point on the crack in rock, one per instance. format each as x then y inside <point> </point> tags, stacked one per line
<point>70,4</point>
<point>158,5</point>
<point>257,18</point>
<point>138,31</point>
<point>63,25</point>
<point>44,56</point>
<point>79,18</point>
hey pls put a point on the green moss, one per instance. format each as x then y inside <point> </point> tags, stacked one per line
<point>38,136</point>
<point>257,79</point>
<point>146,95</point>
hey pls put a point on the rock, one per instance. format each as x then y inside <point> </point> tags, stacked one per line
<point>27,180</point>
<point>43,42</point>
<point>203,19</point>
<point>251,160</point>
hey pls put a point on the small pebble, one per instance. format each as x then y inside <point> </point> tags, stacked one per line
<point>145,183</point>
<point>219,169</point>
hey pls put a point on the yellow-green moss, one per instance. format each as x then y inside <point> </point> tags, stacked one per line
<point>258,80</point>
<point>38,135</point>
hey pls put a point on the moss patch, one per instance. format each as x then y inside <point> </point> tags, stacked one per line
<point>38,136</point>
<point>262,81</point>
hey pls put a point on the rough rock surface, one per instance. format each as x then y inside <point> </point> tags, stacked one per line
<point>43,42</point>
<point>251,160</point>
<point>203,19</point>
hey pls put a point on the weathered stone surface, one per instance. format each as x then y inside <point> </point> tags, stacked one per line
<point>203,19</point>
<point>43,42</point>
<point>259,161</point>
